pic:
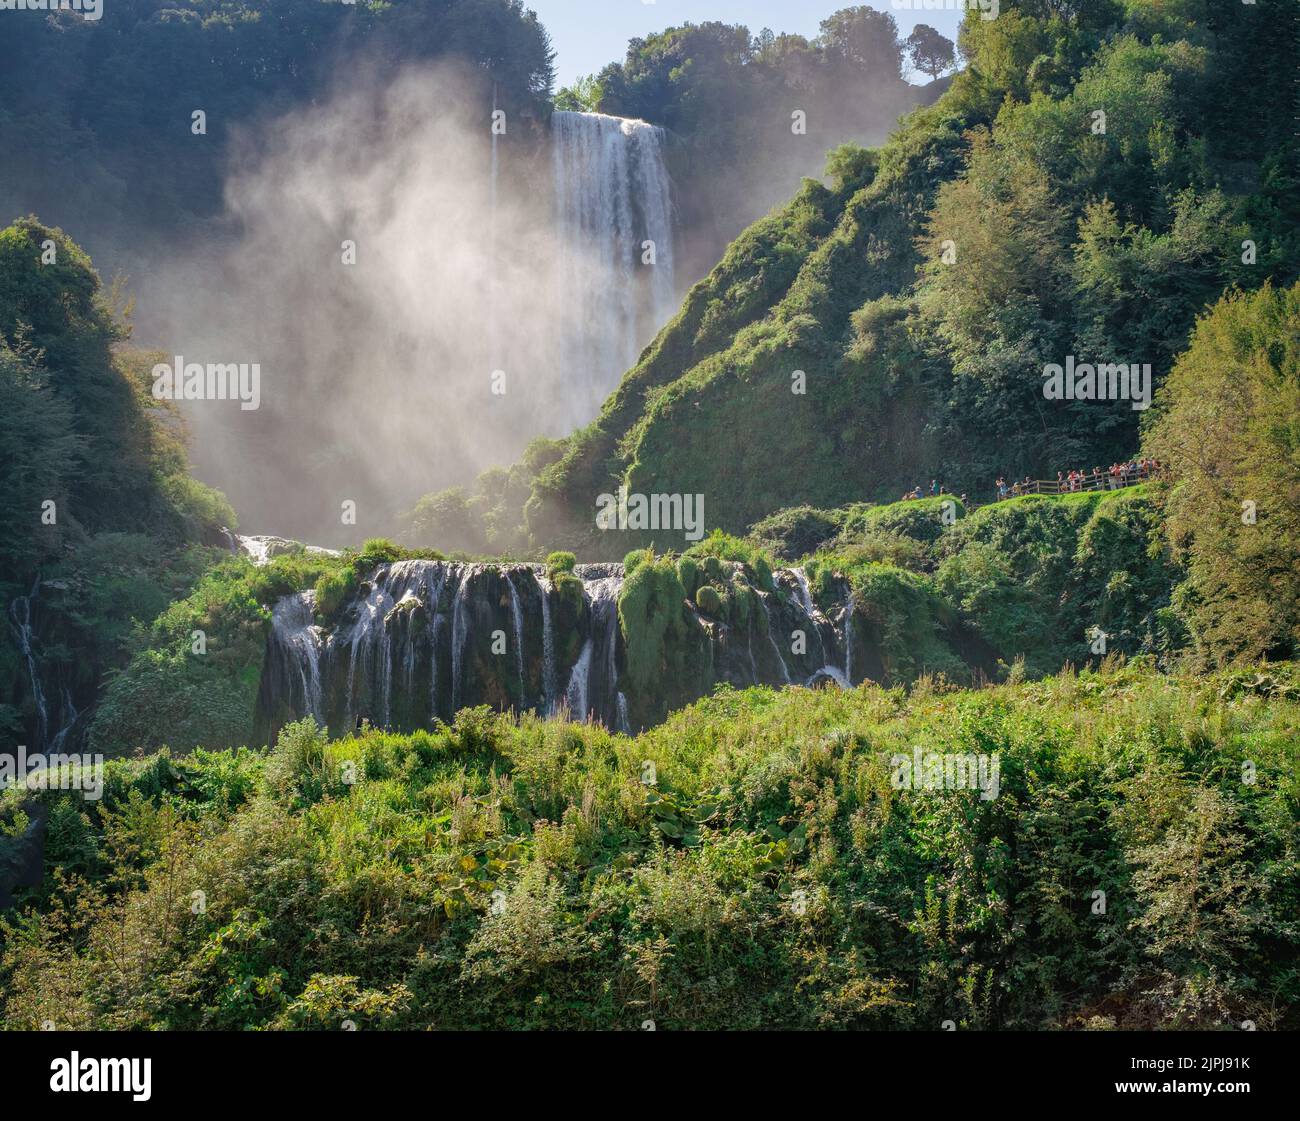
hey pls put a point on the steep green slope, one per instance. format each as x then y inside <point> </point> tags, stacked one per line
<point>97,503</point>
<point>1078,191</point>
<point>756,271</point>
<point>727,424</point>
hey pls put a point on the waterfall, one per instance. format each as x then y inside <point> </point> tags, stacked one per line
<point>814,617</point>
<point>68,721</point>
<point>417,621</point>
<point>848,639</point>
<point>257,548</point>
<point>459,632</point>
<point>805,593</point>
<point>294,632</point>
<point>776,647</point>
<point>517,617</point>
<point>593,683</point>
<point>437,582</point>
<point>624,724</point>
<point>50,733</point>
<point>262,548</point>
<point>575,696</point>
<point>548,651</point>
<point>20,615</point>
<point>602,594</point>
<point>365,631</point>
<point>612,194</point>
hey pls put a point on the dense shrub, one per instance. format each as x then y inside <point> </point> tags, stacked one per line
<point>667,656</point>
<point>560,562</point>
<point>767,871</point>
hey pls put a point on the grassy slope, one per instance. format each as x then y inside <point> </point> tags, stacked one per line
<point>772,877</point>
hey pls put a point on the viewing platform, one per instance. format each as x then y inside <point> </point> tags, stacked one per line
<point>1102,480</point>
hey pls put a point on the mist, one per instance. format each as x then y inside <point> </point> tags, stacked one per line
<point>439,352</point>
<point>417,318</point>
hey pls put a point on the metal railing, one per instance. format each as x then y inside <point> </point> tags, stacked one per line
<point>1089,482</point>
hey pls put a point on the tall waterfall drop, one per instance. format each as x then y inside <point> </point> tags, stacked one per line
<point>612,196</point>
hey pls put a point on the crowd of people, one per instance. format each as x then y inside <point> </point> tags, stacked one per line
<point>1114,477</point>
<point>1068,482</point>
<point>936,489</point>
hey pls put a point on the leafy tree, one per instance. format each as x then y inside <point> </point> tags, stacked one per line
<point>851,165</point>
<point>863,38</point>
<point>1227,428</point>
<point>930,52</point>
<point>37,450</point>
<point>582,97</point>
<point>445,521</point>
<point>78,428</point>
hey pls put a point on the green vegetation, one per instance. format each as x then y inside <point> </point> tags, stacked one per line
<point>758,566</point>
<point>750,864</point>
<point>1230,429</point>
<point>1031,579</point>
<point>97,124</point>
<point>560,562</point>
<point>751,860</point>
<point>194,677</point>
<point>1034,576</point>
<point>195,681</point>
<point>667,654</point>
<point>921,296</point>
<point>97,497</point>
<point>928,51</point>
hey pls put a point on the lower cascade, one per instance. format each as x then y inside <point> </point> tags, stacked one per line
<point>422,639</point>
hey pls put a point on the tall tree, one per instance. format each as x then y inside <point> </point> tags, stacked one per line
<point>1229,432</point>
<point>864,38</point>
<point>928,51</point>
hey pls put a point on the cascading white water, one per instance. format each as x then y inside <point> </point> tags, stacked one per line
<point>575,696</point>
<point>548,650</point>
<point>20,614</point>
<point>70,718</point>
<point>366,632</point>
<point>601,591</point>
<point>293,623</point>
<point>848,638</point>
<point>436,582</point>
<point>805,593</point>
<point>624,724</point>
<point>603,594</point>
<point>261,549</point>
<point>776,648</point>
<point>815,617</point>
<point>517,618</point>
<point>459,630</point>
<point>612,196</point>
<point>411,617</point>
